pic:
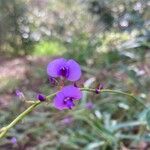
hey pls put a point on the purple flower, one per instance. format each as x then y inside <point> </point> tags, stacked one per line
<point>13,140</point>
<point>19,94</point>
<point>89,105</point>
<point>66,97</point>
<point>41,97</point>
<point>61,67</point>
<point>67,120</point>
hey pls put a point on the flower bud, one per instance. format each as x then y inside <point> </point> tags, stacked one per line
<point>99,88</point>
<point>41,97</point>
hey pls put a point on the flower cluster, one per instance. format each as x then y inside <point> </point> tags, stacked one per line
<point>71,71</point>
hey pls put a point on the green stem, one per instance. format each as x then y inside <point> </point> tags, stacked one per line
<point>114,92</point>
<point>5,129</point>
<point>20,117</point>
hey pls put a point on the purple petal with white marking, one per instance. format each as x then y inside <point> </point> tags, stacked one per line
<point>58,101</point>
<point>66,97</point>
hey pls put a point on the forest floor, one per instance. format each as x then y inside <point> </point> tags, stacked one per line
<point>16,73</point>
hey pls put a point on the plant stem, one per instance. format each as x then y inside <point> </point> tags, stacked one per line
<point>5,129</point>
<point>114,92</point>
<point>20,117</point>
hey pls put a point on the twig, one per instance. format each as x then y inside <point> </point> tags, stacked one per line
<point>5,129</point>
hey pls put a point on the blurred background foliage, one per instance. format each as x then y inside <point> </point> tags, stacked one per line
<point>109,38</point>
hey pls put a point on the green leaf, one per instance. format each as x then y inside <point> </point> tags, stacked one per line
<point>99,129</point>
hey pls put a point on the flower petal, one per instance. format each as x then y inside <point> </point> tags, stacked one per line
<point>54,66</point>
<point>74,70</point>
<point>58,101</point>
<point>71,91</point>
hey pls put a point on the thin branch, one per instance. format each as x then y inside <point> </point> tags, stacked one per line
<point>116,92</point>
<point>5,129</point>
